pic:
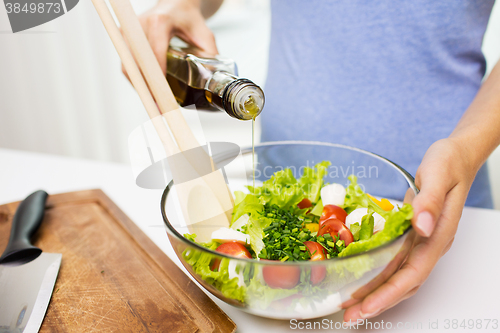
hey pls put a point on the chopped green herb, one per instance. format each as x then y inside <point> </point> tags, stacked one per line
<point>284,238</point>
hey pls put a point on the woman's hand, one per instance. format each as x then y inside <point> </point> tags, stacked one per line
<point>444,179</point>
<point>181,18</point>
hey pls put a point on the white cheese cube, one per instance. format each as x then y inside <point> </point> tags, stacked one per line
<point>333,194</point>
<point>225,235</point>
<point>357,214</point>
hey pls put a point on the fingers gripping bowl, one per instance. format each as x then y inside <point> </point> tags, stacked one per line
<point>289,287</point>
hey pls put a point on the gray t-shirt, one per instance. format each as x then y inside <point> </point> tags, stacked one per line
<point>391,77</point>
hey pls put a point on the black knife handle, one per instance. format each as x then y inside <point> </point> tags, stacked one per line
<point>28,217</point>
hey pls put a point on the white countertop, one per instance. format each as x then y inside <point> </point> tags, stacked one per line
<point>465,285</point>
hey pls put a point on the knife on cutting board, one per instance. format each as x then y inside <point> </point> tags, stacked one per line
<point>27,275</point>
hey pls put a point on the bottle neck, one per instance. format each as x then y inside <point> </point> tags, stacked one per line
<point>240,98</point>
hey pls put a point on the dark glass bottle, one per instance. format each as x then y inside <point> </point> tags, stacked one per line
<point>211,83</point>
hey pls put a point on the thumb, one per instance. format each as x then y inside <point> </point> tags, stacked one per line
<point>197,33</point>
<point>434,186</point>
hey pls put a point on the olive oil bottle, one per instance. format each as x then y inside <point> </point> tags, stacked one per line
<point>210,82</point>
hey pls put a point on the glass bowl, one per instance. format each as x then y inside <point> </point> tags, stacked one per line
<point>307,289</point>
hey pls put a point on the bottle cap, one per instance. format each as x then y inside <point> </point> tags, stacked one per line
<point>243,99</point>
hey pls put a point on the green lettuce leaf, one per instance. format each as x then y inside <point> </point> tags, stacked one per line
<point>355,228</point>
<point>238,197</point>
<point>351,269</point>
<point>255,229</point>
<point>250,204</point>
<point>312,180</point>
<point>367,225</point>
<point>191,237</point>
<point>356,198</point>
<point>395,225</point>
<point>262,296</point>
<point>282,189</point>
<point>317,209</point>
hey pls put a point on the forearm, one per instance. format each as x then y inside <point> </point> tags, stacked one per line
<point>478,131</point>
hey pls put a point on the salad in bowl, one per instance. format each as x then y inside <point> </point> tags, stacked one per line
<point>299,247</point>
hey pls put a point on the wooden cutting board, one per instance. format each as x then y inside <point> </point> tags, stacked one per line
<point>113,278</point>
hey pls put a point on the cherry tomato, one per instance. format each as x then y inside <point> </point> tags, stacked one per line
<point>335,227</point>
<point>318,274</point>
<point>233,249</point>
<point>305,203</point>
<point>334,212</point>
<point>285,277</point>
<point>316,250</point>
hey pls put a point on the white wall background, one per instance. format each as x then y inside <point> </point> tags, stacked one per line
<point>62,92</point>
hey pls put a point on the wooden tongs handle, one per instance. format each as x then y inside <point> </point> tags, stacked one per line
<point>155,93</point>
